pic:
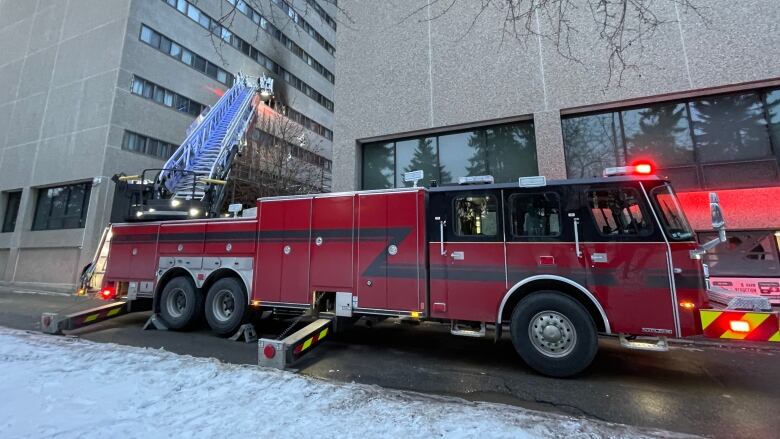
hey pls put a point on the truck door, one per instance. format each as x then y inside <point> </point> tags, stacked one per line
<point>466,253</point>
<point>390,256</point>
<point>332,243</point>
<point>283,251</point>
<point>540,237</point>
<point>625,259</point>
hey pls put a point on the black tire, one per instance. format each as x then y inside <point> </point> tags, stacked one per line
<point>226,306</point>
<point>181,305</point>
<point>564,340</point>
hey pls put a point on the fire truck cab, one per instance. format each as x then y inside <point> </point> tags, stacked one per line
<point>555,262</point>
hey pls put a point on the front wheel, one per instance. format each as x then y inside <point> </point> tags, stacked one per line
<point>226,306</point>
<point>554,334</point>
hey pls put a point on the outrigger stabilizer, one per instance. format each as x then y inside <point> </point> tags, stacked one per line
<point>55,323</point>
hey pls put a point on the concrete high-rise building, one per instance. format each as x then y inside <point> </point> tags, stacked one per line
<point>92,88</point>
<point>441,87</point>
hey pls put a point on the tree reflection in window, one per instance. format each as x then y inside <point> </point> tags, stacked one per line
<point>591,144</point>
<point>730,127</point>
<point>661,133</point>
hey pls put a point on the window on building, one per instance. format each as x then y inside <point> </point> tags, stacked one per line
<point>535,215</point>
<point>723,141</point>
<point>476,216</point>
<point>62,207</point>
<point>147,145</point>
<point>378,166</point>
<point>12,200</point>
<point>506,152</point>
<point>618,212</point>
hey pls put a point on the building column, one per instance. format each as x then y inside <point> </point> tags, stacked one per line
<point>549,145</point>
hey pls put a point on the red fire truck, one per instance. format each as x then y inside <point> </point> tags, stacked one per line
<point>555,262</point>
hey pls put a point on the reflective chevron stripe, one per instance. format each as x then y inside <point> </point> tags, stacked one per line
<point>762,326</point>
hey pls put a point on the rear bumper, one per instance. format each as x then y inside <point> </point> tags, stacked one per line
<point>740,325</point>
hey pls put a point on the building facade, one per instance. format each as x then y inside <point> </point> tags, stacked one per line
<point>437,87</point>
<point>93,88</point>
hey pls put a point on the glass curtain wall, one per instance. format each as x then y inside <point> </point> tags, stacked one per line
<point>712,142</point>
<point>725,141</point>
<point>505,151</point>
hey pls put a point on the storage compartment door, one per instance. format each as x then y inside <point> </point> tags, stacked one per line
<point>133,252</point>
<point>332,243</point>
<point>389,253</point>
<point>283,251</point>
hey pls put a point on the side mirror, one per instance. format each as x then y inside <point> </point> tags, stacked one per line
<point>718,222</point>
<point>717,213</point>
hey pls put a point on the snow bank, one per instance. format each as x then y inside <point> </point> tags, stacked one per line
<point>65,387</point>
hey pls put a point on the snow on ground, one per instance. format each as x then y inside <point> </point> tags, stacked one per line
<point>65,387</point>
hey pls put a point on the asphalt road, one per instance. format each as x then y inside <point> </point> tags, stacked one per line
<point>718,392</point>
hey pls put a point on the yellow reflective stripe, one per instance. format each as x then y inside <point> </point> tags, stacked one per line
<point>775,337</point>
<point>306,344</point>
<point>733,335</point>
<point>114,311</point>
<point>708,316</point>
<point>323,333</point>
<point>755,319</point>
<point>92,317</point>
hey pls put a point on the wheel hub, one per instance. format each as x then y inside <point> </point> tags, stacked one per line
<point>552,334</point>
<point>177,303</point>
<point>224,305</point>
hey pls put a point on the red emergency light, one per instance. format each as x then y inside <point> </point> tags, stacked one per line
<point>638,168</point>
<point>108,292</point>
<point>643,168</point>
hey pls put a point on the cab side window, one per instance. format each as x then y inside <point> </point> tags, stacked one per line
<point>535,215</point>
<point>476,216</point>
<point>618,212</point>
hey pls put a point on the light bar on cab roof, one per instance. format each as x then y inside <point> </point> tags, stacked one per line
<point>476,179</point>
<point>635,169</point>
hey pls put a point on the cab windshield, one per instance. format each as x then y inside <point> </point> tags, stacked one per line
<point>672,216</point>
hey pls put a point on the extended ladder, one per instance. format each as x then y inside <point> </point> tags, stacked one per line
<point>192,181</point>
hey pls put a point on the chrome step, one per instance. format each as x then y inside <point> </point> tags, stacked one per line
<point>655,344</point>
<point>462,330</point>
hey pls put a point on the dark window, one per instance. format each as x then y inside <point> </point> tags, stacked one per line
<point>592,144</point>
<point>618,212</point>
<point>378,165</point>
<point>506,152</point>
<point>62,207</point>
<point>12,201</point>
<point>672,216</point>
<point>535,215</point>
<point>745,253</point>
<point>147,145</point>
<point>476,216</point>
<point>199,64</point>
<point>731,127</point>
<point>661,133</point>
<point>723,141</point>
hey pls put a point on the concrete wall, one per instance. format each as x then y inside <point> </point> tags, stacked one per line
<point>61,59</point>
<point>399,74</point>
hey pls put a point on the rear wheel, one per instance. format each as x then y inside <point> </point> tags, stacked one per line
<point>181,305</point>
<point>554,334</point>
<point>226,306</point>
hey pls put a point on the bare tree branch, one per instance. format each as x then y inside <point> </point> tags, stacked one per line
<point>622,27</point>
